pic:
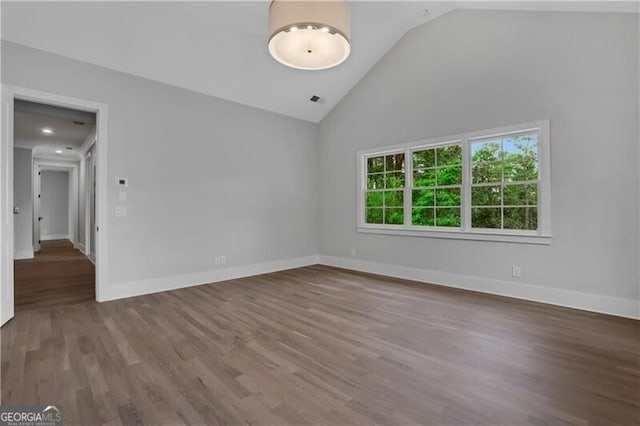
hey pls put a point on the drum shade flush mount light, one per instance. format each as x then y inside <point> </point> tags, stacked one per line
<point>309,34</point>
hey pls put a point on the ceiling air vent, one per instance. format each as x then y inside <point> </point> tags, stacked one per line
<point>79,123</point>
<point>316,98</point>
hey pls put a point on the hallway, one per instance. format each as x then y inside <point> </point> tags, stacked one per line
<point>58,275</point>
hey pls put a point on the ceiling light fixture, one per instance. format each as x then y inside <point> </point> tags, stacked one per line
<point>47,131</point>
<point>309,34</point>
<point>58,151</point>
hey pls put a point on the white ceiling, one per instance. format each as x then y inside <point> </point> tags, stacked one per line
<point>31,118</point>
<point>219,48</point>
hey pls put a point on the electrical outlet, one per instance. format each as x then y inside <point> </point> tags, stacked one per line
<point>353,252</point>
<point>516,271</point>
<point>223,260</point>
<point>220,260</point>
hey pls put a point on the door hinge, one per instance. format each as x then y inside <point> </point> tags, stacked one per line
<point>38,173</point>
<point>38,195</point>
<point>97,228</point>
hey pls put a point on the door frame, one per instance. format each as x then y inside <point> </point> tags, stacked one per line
<point>40,165</point>
<point>9,94</point>
<point>88,194</point>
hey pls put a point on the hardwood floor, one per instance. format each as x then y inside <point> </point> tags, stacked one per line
<point>58,275</point>
<point>320,345</point>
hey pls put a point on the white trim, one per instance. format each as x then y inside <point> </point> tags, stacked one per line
<point>554,296</point>
<point>72,167</point>
<point>55,237</point>
<point>89,231</point>
<point>566,298</point>
<point>464,232</point>
<point>638,169</point>
<point>458,235</point>
<point>86,187</point>
<point>22,254</point>
<point>6,208</point>
<point>155,285</point>
<point>88,142</point>
<point>81,247</point>
<point>102,209</point>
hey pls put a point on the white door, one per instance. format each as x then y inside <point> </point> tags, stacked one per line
<point>36,210</point>
<point>6,208</point>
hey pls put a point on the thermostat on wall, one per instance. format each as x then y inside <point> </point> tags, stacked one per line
<point>122,181</point>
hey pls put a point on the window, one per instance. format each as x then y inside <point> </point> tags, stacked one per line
<point>385,187</point>
<point>437,186</point>
<point>491,185</point>
<point>504,182</point>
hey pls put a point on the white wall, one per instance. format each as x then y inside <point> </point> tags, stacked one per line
<point>207,177</point>
<point>22,198</point>
<point>54,204</point>
<point>474,70</point>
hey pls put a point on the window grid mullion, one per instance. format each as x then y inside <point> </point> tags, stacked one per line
<point>466,186</point>
<point>502,184</point>
<point>408,186</point>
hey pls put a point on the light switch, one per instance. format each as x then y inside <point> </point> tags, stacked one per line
<point>122,196</point>
<point>121,211</point>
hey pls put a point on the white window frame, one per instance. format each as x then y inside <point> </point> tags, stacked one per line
<point>540,236</point>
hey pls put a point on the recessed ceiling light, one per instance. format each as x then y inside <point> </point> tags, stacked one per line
<point>47,131</point>
<point>58,151</point>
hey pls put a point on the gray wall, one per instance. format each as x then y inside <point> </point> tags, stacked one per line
<point>54,203</point>
<point>207,177</point>
<point>474,70</point>
<point>22,187</point>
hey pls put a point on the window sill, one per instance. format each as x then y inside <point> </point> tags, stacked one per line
<point>459,235</point>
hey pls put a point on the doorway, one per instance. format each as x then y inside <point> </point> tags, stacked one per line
<point>67,197</point>
<point>57,273</point>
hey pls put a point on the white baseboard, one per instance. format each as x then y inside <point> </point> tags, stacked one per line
<point>629,308</point>
<point>54,237</point>
<point>81,247</point>
<point>155,285</point>
<point>22,254</point>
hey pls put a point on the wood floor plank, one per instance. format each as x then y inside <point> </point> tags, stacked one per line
<point>58,275</point>
<point>321,345</point>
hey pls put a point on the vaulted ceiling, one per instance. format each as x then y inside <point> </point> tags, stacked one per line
<point>219,48</point>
